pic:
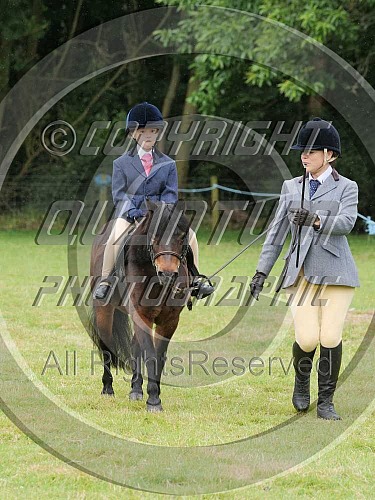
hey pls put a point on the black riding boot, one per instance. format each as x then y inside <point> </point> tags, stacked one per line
<point>102,290</point>
<point>328,373</point>
<point>302,362</point>
<point>105,285</point>
<point>202,287</point>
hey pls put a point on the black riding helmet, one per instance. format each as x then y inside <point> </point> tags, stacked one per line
<point>318,134</point>
<point>144,115</point>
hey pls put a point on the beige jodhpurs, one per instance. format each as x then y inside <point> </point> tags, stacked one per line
<point>319,312</point>
<point>113,245</point>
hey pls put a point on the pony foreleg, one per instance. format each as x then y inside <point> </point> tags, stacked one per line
<point>143,332</point>
<point>163,335</point>
<point>136,393</point>
<point>161,347</point>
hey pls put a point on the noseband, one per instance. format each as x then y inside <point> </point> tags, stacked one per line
<point>181,257</point>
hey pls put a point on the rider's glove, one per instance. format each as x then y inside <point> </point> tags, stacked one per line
<point>134,214</point>
<point>302,217</point>
<point>256,285</point>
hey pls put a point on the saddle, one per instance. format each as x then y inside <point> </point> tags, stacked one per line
<point>119,269</point>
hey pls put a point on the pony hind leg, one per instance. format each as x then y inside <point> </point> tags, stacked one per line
<point>101,333</point>
<point>107,377</point>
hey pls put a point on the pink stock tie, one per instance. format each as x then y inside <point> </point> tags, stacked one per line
<point>147,162</point>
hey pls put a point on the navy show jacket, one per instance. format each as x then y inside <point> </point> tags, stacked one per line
<point>131,186</point>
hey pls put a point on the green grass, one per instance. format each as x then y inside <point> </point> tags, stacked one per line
<point>229,410</point>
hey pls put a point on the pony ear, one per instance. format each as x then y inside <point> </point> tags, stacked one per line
<point>182,205</point>
<point>151,206</point>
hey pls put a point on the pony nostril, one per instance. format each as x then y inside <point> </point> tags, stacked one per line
<point>167,276</point>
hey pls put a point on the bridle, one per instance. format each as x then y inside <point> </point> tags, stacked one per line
<point>181,257</point>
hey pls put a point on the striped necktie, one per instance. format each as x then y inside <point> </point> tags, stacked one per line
<point>147,163</point>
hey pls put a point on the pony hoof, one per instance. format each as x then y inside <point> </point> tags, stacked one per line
<point>135,396</point>
<point>154,408</point>
<point>108,391</point>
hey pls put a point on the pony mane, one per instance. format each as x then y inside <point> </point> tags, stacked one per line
<point>160,217</point>
<point>166,215</point>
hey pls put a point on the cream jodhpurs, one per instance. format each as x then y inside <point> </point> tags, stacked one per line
<point>113,245</point>
<point>319,312</point>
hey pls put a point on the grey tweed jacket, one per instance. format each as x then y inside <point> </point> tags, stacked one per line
<point>324,254</point>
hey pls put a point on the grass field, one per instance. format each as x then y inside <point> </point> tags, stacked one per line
<point>216,410</point>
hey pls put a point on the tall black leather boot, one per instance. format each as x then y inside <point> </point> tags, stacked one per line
<point>302,362</point>
<point>105,285</point>
<point>328,373</point>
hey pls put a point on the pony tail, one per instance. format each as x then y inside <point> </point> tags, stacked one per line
<point>122,336</point>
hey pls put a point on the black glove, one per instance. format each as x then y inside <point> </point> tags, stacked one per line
<point>256,285</point>
<point>134,214</point>
<point>302,217</point>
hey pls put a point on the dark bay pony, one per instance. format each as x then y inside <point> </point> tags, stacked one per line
<point>152,289</point>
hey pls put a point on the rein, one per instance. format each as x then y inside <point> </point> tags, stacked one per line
<point>182,255</point>
<point>244,249</point>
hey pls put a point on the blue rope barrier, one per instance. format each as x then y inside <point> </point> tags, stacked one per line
<point>197,190</point>
<point>231,190</point>
<point>368,220</point>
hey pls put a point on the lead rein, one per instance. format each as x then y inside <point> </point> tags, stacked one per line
<point>244,249</point>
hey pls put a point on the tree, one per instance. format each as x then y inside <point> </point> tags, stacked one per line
<point>30,31</point>
<point>346,27</point>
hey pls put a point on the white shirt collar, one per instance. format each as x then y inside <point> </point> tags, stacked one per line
<point>142,152</point>
<point>324,176</point>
